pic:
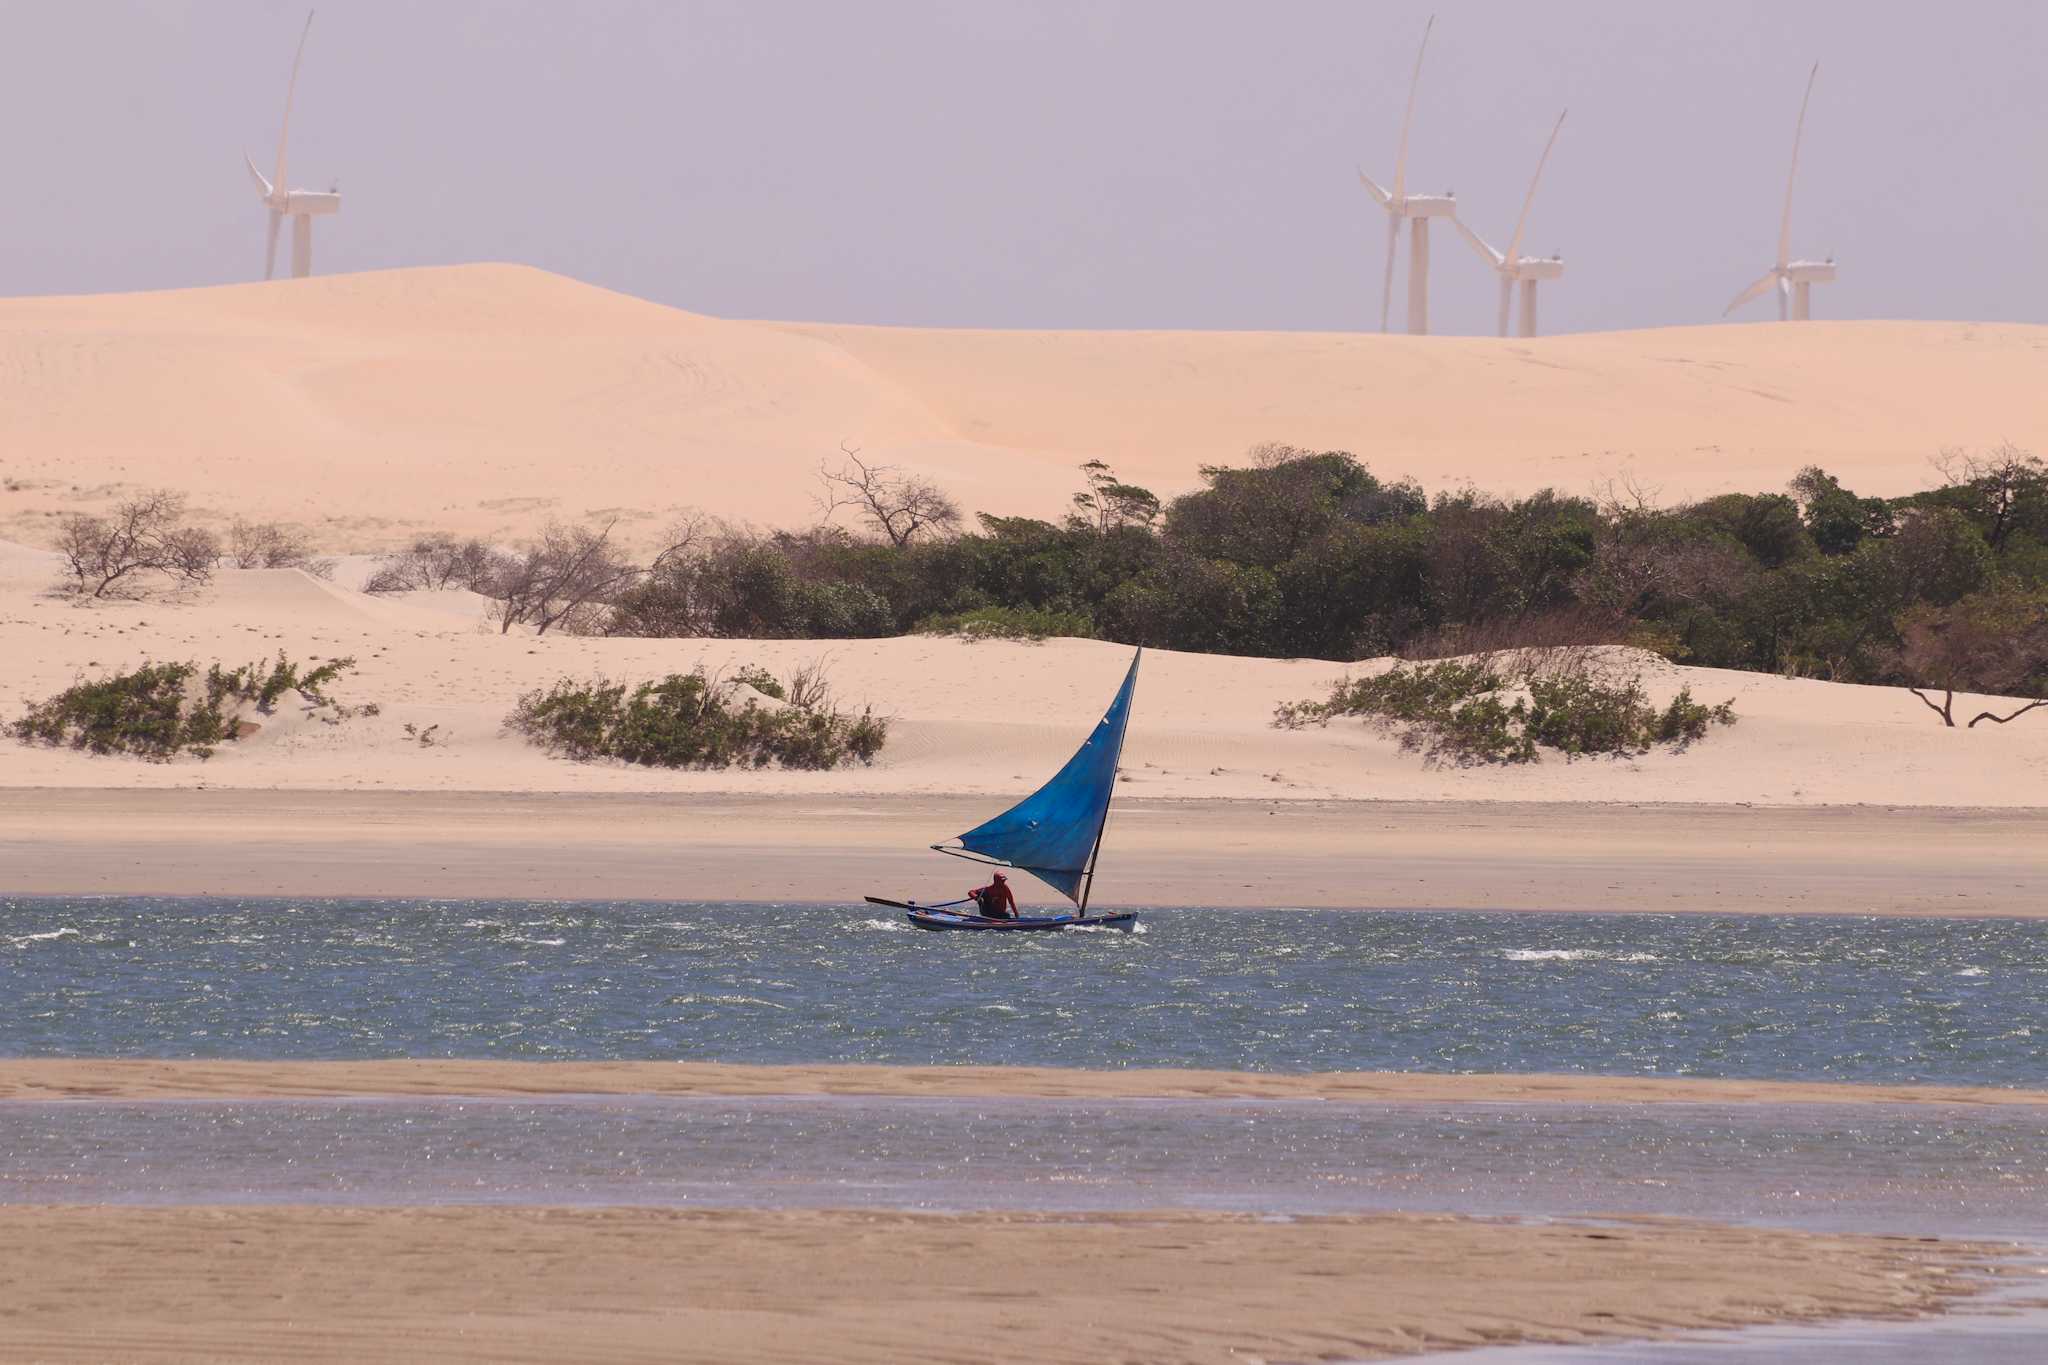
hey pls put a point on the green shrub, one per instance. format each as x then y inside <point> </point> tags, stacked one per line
<point>761,680</point>
<point>160,710</point>
<point>1468,712</point>
<point>689,720</point>
<point>1010,623</point>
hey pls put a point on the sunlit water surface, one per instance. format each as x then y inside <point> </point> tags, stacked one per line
<point>1891,1168</point>
<point>1843,999</point>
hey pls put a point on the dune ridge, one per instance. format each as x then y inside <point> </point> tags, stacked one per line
<point>483,398</point>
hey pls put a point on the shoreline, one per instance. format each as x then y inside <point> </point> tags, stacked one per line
<point>61,1080</point>
<point>1164,853</point>
<point>613,1284</point>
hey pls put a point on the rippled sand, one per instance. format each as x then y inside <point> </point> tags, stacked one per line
<point>736,1287</point>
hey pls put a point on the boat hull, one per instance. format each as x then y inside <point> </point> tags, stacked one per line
<point>948,921</point>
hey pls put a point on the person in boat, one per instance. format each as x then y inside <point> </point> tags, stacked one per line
<point>995,900</point>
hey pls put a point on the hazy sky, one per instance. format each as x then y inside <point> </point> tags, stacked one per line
<point>1006,164</point>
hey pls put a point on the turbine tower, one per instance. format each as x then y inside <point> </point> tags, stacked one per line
<point>301,206</point>
<point>1794,280</point>
<point>1416,210</point>
<point>1514,266</point>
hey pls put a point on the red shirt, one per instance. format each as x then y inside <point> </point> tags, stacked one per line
<point>995,896</point>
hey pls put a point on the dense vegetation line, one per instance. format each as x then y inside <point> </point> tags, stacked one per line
<point>1298,554</point>
<point>1308,554</point>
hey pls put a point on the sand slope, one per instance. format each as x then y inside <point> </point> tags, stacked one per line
<point>482,398</point>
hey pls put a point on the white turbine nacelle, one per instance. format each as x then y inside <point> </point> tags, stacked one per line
<point>1511,265</point>
<point>1793,280</point>
<point>1414,209</point>
<point>301,206</point>
<point>1430,206</point>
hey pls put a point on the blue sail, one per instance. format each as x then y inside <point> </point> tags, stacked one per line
<point>1052,833</point>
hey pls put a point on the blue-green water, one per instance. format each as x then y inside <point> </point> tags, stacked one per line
<point>1846,999</point>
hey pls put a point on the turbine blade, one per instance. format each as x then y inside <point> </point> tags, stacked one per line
<point>1799,132</point>
<point>1515,242</point>
<point>1755,291</point>
<point>284,133</point>
<point>1372,187</point>
<point>1387,281</point>
<point>255,174</point>
<point>270,244</point>
<point>1408,116</point>
<point>1492,257</point>
<point>1507,294</point>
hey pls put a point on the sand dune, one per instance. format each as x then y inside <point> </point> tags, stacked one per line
<point>484,398</point>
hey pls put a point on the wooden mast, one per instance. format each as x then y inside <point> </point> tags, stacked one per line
<point>1095,850</point>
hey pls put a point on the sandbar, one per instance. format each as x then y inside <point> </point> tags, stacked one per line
<point>103,1078</point>
<point>1847,860</point>
<point>608,1284</point>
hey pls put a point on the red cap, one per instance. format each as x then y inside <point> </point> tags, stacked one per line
<point>1001,878</point>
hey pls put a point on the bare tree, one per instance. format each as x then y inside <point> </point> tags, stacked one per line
<point>1992,641</point>
<point>437,561</point>
<point>269,545</point>
<point>685,537</point>
<point>2002,484</point>
<point>899,506</point>
<point>809,687</point>
<point>561,577</point>
<point>144,535</point>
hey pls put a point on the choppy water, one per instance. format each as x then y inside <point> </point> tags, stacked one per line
<point>1894,1168</point>
<point>1849,999</point>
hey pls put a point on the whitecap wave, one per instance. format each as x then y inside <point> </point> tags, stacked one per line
<point>23,940</point>
<point>1575,955</point>
<point>540,942</point>
<point>889,926</point>
<point>726,1000</point>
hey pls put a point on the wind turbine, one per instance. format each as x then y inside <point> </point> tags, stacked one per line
<point>1514,266</point>
<point>301,206</point>
<point>1794,280</point>
<point>1416,210</point>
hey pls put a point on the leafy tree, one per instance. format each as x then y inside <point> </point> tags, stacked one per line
<point>1265,515</point>
<point>1767,525</point>
<point>1837,519</point>
<point>1108,504</point>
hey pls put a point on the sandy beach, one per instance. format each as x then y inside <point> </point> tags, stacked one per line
<point>99,1078</point>
<point>677,846</point>
<point>167,1284</point>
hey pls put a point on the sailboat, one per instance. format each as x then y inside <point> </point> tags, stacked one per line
<point>1055,834</point>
